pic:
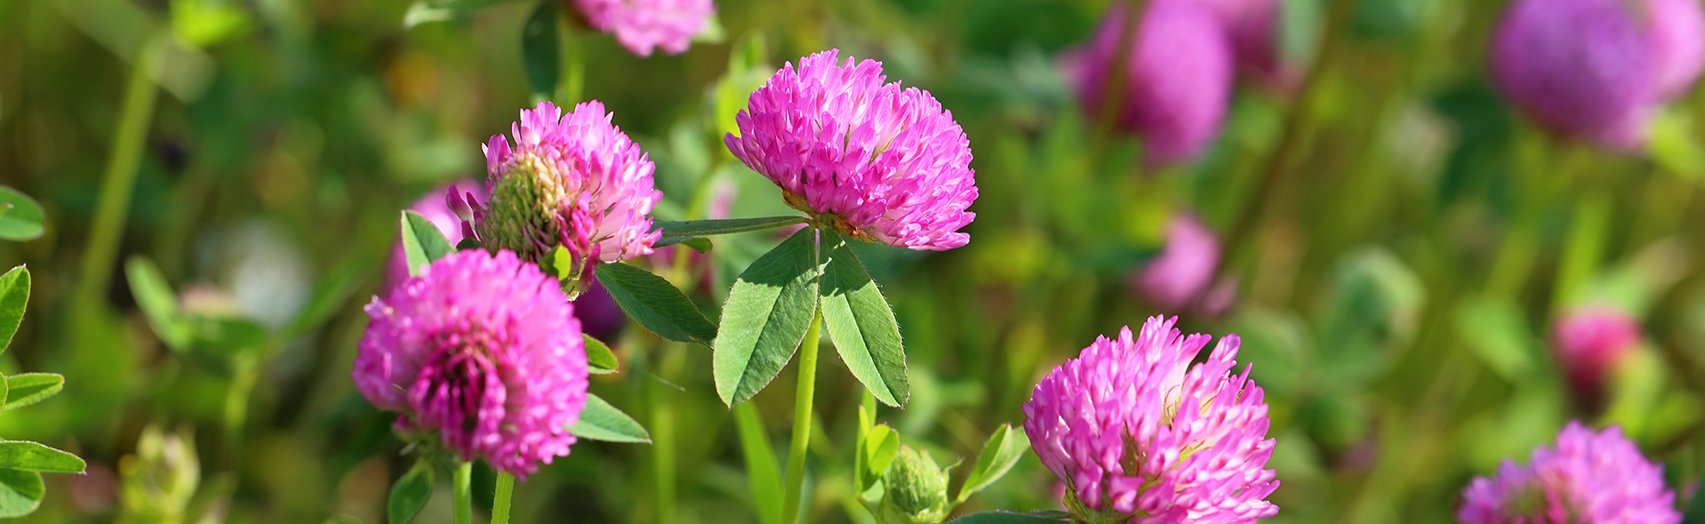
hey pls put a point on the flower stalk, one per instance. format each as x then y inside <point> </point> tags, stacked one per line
<point>802,400</point>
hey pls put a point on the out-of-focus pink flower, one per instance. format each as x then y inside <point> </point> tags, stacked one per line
<point>599,314</point>
<point>1589,343</point>
<point>643,26</point>
<point>1597,478</point>
<point>1678,37</point>
<point>1140,435</point>
<point>433,206</point>
<point>1253,27</point>
<point>865,157</point>
<point>1177,82</point>
<point>1587,69</point>
<point>574,181</point>
<point>1181,274</point>
<point>480,354</point>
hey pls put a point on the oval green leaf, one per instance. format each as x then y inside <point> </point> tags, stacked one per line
<point>154,297</point>
<point>24,389</point>
<point>14,297</point>
<point>599,359</point>
<point>20,492</point>
<point>601,421</point>
<point>20,217</point>
<point>999,454</point>
<point>862,325</point>
<point>422,241</point>
<point>410,493</point>
<point>881,445</point>
<point>34,456</point>
<point>655,303</point>
<point>765,318</point>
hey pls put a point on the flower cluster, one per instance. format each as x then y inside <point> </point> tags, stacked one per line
<point>1138,434</point>
<point>863,156</point>
<point>1588,477</point>
<point>1597,69</point>
<point>643,26</point>
<point>573,181</point>
<point>481,354</point>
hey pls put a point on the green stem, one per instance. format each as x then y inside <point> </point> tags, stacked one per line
<point>1113,88</point>
<point>1290,140</point>
<point>120,175</point>
<point>802,418</point>
<point>463,498</point>
<point>500,502</point>
<point>574,67</point>
<point>664,471</point>
<point>247,371</point>
<point>761,471</point>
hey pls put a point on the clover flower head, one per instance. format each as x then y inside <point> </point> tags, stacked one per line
<point>868,158</point>
<point>479,354</point>
<point>573,181</point>
<point>1596,477</point>
<point>1140,435</point>
<point>1178,78</point>
<point>644,26</point>
<point>1586,69</point>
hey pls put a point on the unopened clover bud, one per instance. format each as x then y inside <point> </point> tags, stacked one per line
<point>917,489</point>
<point>572,183</point>
<point>160,477</point>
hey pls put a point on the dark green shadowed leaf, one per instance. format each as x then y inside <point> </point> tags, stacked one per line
<point>34,456</point>
<point>154,297</point>
<point>540,54</point>
<point>722,226</point>
<point>14,296</point>
<point>599,359</point>
<point>20,492</point>
<point>765,318</point>
<point>410,494</point>
<point>862,325</point>
<point>1007,517</point>
<point>603,422</point>
<point>699,244</point>
<point>422,241</point>
<point>655,303</point>
<point>20,217</point>
<point>1004,448</point>
<point>24,389</point>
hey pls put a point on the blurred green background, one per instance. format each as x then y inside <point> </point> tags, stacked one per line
<point>1395,287</point>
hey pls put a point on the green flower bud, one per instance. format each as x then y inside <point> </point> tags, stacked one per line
<point>522,214</point>
<point>916,489</point>
<point>160,478</point>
